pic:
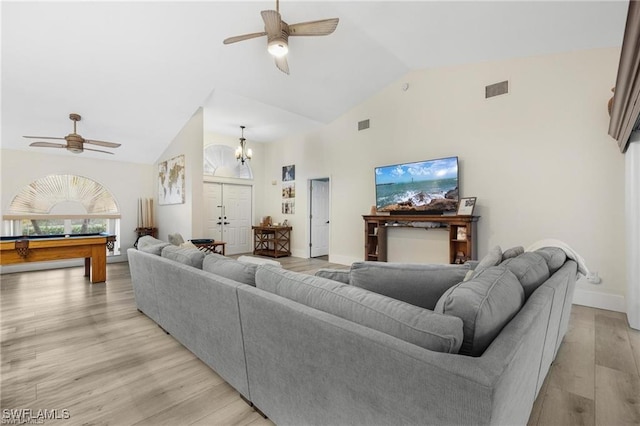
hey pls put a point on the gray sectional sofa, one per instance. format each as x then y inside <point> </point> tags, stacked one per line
<point>377,344</point>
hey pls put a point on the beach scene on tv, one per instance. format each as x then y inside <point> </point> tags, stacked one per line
<point>425,187</point>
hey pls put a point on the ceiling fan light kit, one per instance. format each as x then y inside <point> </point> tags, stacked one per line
<point>278,33</point>
<point>75,142</point>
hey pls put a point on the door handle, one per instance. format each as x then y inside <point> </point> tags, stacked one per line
<point>218,223</point>
<point>227,223</point>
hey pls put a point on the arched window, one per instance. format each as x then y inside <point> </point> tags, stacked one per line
<point>63,204</point>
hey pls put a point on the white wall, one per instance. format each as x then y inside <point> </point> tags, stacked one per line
<point>127,182</point>
<point>186,218</point>
<point>539,159</point>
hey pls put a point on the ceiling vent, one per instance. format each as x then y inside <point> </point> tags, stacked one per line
<point>364,124</point>
<point>496,89</point>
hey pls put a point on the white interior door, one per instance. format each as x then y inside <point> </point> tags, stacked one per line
<point>319,217</point>
<point>236,200</point>
<point>212,211</point>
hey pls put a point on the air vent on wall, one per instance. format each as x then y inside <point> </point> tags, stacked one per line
<point>496,89</point>
<point>364,124</point>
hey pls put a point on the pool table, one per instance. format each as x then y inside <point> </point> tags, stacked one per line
<point>40,248</point>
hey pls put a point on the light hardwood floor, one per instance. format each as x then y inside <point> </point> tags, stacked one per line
<point>70,345</point>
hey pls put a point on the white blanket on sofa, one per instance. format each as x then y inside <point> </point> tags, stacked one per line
<point>571,253</point>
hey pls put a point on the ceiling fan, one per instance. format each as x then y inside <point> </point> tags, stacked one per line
<point>75,142</point>
<point>278,33</point>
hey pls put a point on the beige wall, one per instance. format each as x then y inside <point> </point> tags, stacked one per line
<point>186,218</point>
<point>538,159</point>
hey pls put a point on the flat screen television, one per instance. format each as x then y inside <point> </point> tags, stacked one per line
<point>422,187</point>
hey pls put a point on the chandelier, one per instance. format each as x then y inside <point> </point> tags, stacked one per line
<point>242,152</point>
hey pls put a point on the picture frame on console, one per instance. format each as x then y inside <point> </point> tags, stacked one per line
<point>466,206</point>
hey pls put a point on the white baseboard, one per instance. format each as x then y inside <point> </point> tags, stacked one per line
<point>595,299</point>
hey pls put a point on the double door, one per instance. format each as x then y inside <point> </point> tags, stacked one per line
<point>228,215</point>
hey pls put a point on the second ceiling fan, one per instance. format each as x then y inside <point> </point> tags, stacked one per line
<point>278,33</point>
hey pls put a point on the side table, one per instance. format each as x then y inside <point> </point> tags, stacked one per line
<point>210,246</point>
<point>273,241</point>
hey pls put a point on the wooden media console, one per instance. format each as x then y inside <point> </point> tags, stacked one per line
<point>460,249</point>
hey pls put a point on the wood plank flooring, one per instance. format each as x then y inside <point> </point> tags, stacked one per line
<point>66,344</point>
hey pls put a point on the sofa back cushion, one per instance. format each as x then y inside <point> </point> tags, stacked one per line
<point>188,256</point>
<point>418,284</point>
<point>531,270</point>
<point>554,256</point>
<point>485,304</point>
<point>242,272</point>
<point>149,244</point>
<point>407,322</point>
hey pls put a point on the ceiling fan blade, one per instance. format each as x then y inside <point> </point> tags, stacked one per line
<point>314,28</point>
<point>43,137</point>
<point>272,21</point>
<point>102,143</point>
<point>282,64</point>
<point>48,145</point>
<point>98,150</point>
<point>243,37</point>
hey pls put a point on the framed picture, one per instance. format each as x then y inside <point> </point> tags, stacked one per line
<point>289,173</point>
<point>466,205</point>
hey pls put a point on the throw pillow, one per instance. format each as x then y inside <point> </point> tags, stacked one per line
<point>410,323</point>
<point>512,252</point>
<point>187,256</point>
<point>485,304</point>
<point>242,272</point>
<point>418,284</point>
<point>531,270</point>
<point>176,239</point>
<point>493,258</point>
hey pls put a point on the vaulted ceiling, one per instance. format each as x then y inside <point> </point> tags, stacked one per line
<point>137,71</point>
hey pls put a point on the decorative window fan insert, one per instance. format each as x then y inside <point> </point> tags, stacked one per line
<point>41,196</point>
<point>220,161</point>
<point>63,204</point>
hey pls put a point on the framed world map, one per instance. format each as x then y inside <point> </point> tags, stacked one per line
<point>171,181</point>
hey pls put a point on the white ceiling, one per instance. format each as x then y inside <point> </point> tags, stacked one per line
<point>137,71</point>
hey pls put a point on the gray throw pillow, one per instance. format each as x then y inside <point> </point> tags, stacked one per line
<point>485,304</point>
<point>493,258</point>
<point>410,323</point>
<point>187,256</point>
<point>418,284</point>
<point>512,252</point>
<point>554,256</point>
<point>242,272</point>
<point>176,239</point>
<point>531,270</point>
<point>148,240</point>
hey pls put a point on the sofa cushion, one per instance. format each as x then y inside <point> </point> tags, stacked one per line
<point>259,261</point>
<point>149,244</point>
<point>512,252</point>
<point>418,284</point>
<point>554,256</point>
<point>410,323</point>
<point>531,270</point>
<point>493,258</point>
<point>187,256</point>
<point>242,272</point>
<point>340,275</point>
<point>485,304</point>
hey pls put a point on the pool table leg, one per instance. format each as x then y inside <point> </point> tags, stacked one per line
<point>98,263</point>
<point>87,266</point>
